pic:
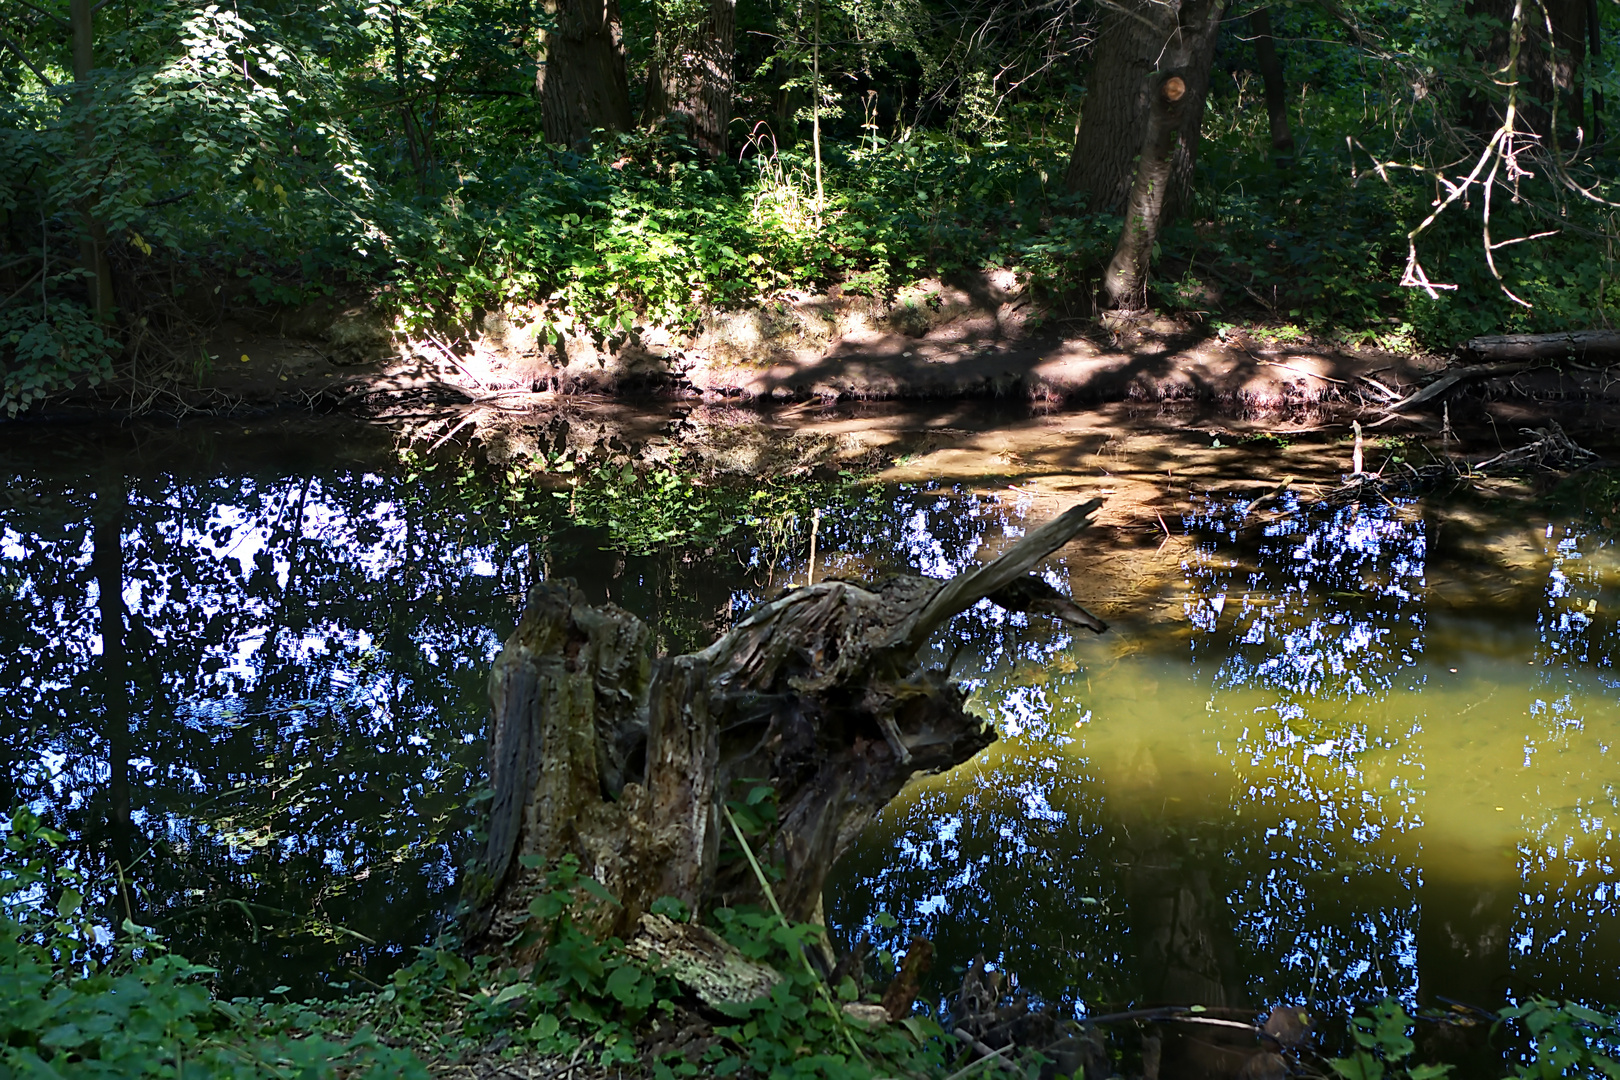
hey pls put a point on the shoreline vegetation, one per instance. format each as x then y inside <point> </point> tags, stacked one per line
<point>233,211</point>
<point>81,998</point>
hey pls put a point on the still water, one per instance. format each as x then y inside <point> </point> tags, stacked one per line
<point>1325,752</point>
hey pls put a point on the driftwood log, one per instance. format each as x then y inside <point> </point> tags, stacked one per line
<point>1510,354</point>
<point>600,751</point>
<point>1590,346</point>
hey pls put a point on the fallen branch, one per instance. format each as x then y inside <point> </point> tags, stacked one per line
<point>1572,345</point>
<point>1387,393</point>
<point>1550,445</point>
<point>1452,378</point>
<point>985,1053</point>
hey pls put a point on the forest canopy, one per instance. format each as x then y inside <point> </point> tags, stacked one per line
<point>1404,173</point>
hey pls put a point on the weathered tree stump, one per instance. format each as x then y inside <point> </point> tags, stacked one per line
<point>600,751</point>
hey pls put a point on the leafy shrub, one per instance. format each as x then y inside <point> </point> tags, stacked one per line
<point>70,1006</point>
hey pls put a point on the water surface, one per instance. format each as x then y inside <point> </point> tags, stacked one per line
<point>1325,753</point>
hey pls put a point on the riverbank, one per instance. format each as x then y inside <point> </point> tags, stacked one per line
<point>984,337</point>
<point>935,343</point>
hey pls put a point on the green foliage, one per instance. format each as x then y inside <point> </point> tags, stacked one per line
<point>266,153</point>
<point>51,348</point>
<point>75,1002</point>
<point>1560,1041</point>
<point>790,1033</point>
<point>1566,1040</point>
<point>68,1010</point>
<point>1384,1047</point>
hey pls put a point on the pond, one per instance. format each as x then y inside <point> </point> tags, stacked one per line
<point>1327,750</point>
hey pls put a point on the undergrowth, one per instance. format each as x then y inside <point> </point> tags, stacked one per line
<point>79,998</point>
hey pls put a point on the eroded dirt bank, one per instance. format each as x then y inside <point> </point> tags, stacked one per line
<point>985,338</point>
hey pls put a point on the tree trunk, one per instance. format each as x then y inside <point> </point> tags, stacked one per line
<point>93,231</point>
<point>107,563</point>
<point>627,764</point>
<point>581,80</point>
<point>1125,282</point>
<point>1271,74</point>
<point>1595,54</point>
<point>1592,346</point>
<point>406,116</point>
<point>1137,43</point>
<point>1547,69</point>
<point>691,77</point>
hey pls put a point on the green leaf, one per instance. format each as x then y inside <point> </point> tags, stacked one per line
<point>625,984</point>
<point>1361,1066</point>
<point>69,902</point>
<point>1429,1072</point>
<point>670,908</point>
<point>516,990</point>
<point>596,889</point>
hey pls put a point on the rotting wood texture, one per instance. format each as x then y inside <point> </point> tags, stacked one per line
<point>599,751</point>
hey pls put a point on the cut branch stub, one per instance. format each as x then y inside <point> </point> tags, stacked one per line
<point>598,752</point>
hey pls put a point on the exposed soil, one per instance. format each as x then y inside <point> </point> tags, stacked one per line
<point>934,342</point>
<point>982,338</point>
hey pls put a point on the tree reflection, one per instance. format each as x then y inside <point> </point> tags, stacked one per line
<point>253,680</point>
<point>1276,798</point>
<point>251,674</point>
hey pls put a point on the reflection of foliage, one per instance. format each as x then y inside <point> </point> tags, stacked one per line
<point>306,654</point>
<point>650,508</point>
<point>304,702</point>
<point>1593,493</point>
<point>144,1012</point>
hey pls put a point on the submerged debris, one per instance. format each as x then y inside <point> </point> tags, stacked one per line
<point>1550,447</point>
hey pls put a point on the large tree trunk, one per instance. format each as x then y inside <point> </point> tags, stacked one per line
<point>1140,41</point>
<point>1271,75</point>
<point>93,231</point>
<point>691,77</point>
<point>1547,69</point>
<point>581,80</point>
<point>107,563</point>
<point>600,752</point>
<point>1125,282</point>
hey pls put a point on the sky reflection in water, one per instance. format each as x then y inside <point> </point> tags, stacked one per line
<point>1311,774</point>
<point>1318,765</point>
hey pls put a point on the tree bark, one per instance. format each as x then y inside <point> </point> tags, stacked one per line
<point>599,752</point>
<point>1587,345</point>
<point>1547,68</point>
<point>1137,43</point>
<point>107,563</point>
<point>93,231</point>
<point>1271,74</point>
<point>1595,52</point>
<point>581,79</point>
<point>1125,281</point>
<point>691,77</point>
